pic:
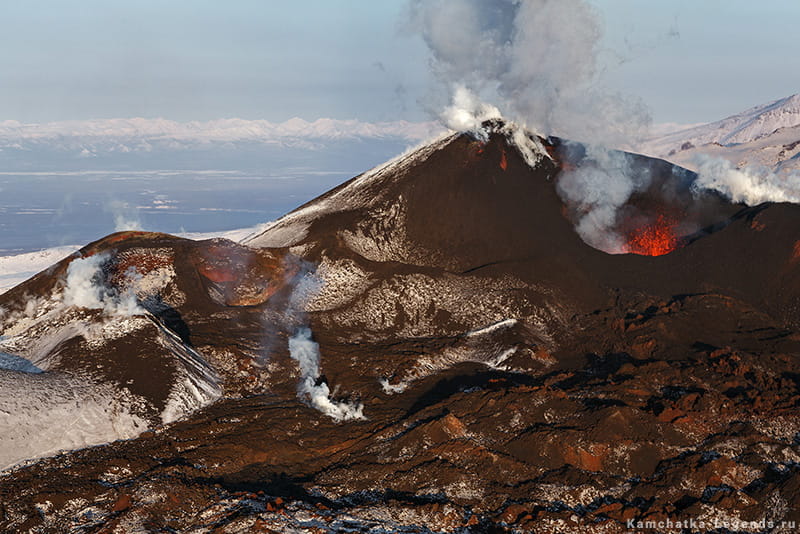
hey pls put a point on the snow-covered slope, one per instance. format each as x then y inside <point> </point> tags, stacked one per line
<point>18,268</point>
<point>763,137</point>
<point>745,127</point>
<point>778,152</point>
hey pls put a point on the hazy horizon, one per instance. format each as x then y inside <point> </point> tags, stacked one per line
<point>688,61</point>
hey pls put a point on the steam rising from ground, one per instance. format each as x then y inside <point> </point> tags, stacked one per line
<point>125,217</point>
<point>750,185</point>
<point>467,113</point>
<point>538,59</point>
<point>305,352</point>
<point>596,189</point>
<point>85,287</point>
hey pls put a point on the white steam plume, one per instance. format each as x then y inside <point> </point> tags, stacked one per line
<point>125,217</point>
<point>596,189</point>
<point>750,185</point>
<point>538,59</point>
<point>85,288</point>
<point>305,352</point>
<point>467,113</point>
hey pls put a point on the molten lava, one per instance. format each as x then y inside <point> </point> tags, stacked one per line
<point>503,161</point>
<point>656,239</point>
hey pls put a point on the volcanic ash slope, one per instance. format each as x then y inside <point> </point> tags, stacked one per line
<point>431,346</point>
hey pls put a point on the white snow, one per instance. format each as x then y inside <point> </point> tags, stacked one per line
<point>138,134</point>
<point>751,157</point>
<point>292,228</point>
<point>44,413</point>
<point>198,385</point>
<point>494,327</point>
<point>779,152</point>
<point>18,268</point>
<point>745,127</point>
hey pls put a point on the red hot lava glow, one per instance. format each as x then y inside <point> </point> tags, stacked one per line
<point>655,239</point>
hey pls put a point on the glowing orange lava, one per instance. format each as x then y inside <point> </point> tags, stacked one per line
<point>503,161</point>
<point>655,239</point>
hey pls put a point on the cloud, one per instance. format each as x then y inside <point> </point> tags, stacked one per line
<point>538,60</point>
<point>749,185</point>
<point>139,134</point>
<point>86,287</point>
<point>305,351</point>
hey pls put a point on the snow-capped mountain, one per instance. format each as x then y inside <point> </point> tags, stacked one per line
<point>221,130</point>
<point>128,143</point>
<point>763,136</point>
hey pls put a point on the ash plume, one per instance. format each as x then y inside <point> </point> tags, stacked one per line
<point>537,59</point>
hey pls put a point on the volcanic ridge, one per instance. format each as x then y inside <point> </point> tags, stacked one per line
<point>429,347</point>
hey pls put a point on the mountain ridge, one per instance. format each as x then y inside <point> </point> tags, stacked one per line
<point>510,376</point>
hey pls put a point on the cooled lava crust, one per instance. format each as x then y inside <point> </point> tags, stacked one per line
<point>513,378</point>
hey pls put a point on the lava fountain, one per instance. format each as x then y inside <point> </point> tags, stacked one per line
<point>655,239</point>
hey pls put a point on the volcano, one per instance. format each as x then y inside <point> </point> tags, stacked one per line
<point>428,347</point>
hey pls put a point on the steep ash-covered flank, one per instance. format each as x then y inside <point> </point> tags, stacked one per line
<point>184,336</point>
<point>511,377</point>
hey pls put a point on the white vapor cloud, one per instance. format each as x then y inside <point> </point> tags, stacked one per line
<point>305,351</point>
<point>467,112</point>
<point>125,217</point>
<point>596,189</point>
<point>538,59</point>
<point>86,288</point>
<point>749,185</point>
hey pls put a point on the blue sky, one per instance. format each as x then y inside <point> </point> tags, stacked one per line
<point>690,61</point>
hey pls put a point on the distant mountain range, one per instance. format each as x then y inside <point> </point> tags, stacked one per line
<point>765,136</point>
<point>153,143</point>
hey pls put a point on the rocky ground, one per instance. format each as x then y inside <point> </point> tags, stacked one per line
<point>511,378</point>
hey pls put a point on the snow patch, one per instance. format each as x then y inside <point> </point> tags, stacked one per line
<point>499,325</point>
<point>198,385</point>
<point>44,413</point>
<point>292,228</point>
<point>10,362</point>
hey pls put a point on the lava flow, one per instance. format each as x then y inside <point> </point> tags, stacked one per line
<point>655,239</point>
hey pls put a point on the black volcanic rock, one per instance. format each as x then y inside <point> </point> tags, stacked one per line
<point>512,377</point>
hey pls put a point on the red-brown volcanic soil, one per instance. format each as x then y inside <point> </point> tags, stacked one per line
<point>512,377</point>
